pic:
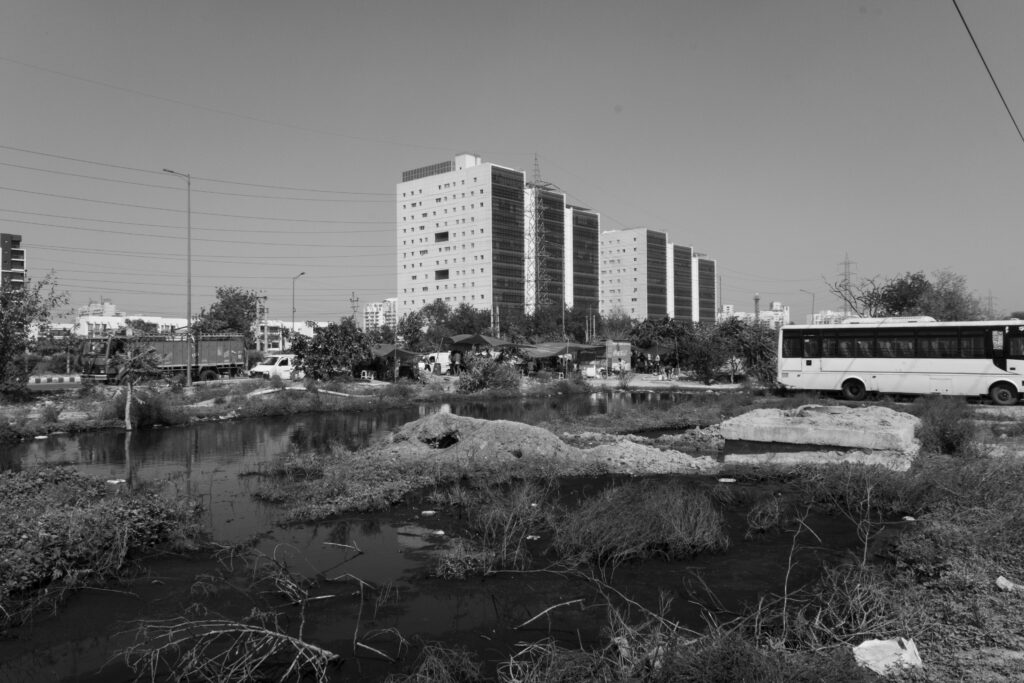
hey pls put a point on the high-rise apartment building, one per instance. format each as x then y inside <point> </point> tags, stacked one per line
<point>12,261</point>
<point>582,259</point>
<point>634,273</point>
<point>378,314</point>
<point>645,276</point>
<point>460,235</point>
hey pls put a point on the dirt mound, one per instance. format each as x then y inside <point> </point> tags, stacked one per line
<point>444,438</point>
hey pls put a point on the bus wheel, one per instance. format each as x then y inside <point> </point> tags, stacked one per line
<point>208,375</point>
<point>853,390</point>
<point>1003,394</point>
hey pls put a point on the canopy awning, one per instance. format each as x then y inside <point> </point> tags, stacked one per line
<point>552,349</point>
<point>392,351</point>
<point>471,340</point>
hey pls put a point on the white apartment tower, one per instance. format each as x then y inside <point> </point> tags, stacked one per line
<point>644,275</point>
<point>460,236</point>
<point>378,314</point>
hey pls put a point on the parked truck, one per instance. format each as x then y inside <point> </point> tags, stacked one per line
<point>213,356</point>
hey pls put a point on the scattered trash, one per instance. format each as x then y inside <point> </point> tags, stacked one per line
<point>533,505</point>
<point>726,480</point>
<point>428,513</point>
<point>908,518</point>
<point>532,537</point>
<point>115,481</point>
<point>439,532</point>
<point>882,656</point>
<point>1004,584</point>
<point>42,436</point>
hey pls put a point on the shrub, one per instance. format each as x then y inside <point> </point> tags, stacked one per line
<point>486,373</point>
<point>504,517</point>
<point>276,382</point>
<point>148,408</point>
<point>637,521</point>
<point>460,559</point>
<point>947,426</point>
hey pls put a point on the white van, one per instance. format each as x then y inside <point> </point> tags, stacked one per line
<point>281,365</point>
<point>437,363</point>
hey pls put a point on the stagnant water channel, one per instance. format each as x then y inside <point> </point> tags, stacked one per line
<point>381,596</point>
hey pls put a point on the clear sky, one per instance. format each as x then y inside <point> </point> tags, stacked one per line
<point>776,136</point>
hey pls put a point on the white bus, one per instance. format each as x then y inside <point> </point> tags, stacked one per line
<point>905,356</point>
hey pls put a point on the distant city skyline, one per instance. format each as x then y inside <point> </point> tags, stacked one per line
<point>778,136</point>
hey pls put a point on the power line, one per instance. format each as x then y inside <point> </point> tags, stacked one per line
<point>161,173</point>
<point>199,213</point>
<point>248,231</point>
<point>990,75</point>
<point>195,191</point>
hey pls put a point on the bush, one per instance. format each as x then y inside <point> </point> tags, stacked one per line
<point>148,409</point>
<point>61,527</point>
<point>503,518</point>
<point>637,521</point>
<point>947,426</point>
<point>487,374</point>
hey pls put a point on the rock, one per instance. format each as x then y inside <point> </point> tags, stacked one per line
<point>1004,584</point>
<point>882,656</point>
<point>894,460</point>
<point>870,428</point>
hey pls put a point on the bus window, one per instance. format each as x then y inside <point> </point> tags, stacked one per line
<point>865,347</point>
<point>972,344</point>
<point>939,346</point>
<point>829,347</point>
<point>845,347</point>
<point>812,348</point>
<point>790,346</point>
<point>1015,347</point>
<point>895,347</point>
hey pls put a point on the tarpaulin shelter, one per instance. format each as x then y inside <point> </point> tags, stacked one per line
<point>552,349</point>
<point>392,351</point>
<point>468,341</point>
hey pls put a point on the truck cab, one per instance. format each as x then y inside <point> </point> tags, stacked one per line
<point>279,365</point>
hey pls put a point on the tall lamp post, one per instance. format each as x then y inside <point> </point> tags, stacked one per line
<point>293,305</point>
<point>806,291</point>
<point>188,258</point>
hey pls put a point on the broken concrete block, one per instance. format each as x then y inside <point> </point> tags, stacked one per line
<point>872,428</point>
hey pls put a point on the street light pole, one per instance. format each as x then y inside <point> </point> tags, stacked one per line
<point>293,307</point>
<point>188,259</point>
<point>805,291</point>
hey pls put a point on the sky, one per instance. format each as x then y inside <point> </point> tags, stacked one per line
<point>780,137</point>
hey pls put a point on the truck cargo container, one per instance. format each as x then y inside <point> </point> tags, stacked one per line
<point>213,356</point>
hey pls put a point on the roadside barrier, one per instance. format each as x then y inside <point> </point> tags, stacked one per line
<point>55,379</point>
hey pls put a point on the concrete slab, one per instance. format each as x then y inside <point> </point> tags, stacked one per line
<point>871,428</point>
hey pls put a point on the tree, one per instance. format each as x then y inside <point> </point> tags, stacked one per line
<point>134,363</point>
<point>410,331</point>
<point>704,352</point>
<point>468,320</point>
<point>141,326</point>
<point>616,325</point>
<point>905,295</point>
<point>21,309</point>
<point>949,299</point>
<point>754,344</point>
<point>236,311</point>
<point>944,297</point>
<point>334,350</point>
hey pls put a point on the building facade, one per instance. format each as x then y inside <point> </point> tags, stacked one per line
<point>12,261</point>
<point>633,273</point>
<point>582,259</point>
<point>460,236</point>
<point>379,314</point>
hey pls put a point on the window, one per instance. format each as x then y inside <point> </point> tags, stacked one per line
<point>972,344</point>
<point>441,236</point>
<point>441,274</point>
<point>937,346</point>
<point>895,347</point>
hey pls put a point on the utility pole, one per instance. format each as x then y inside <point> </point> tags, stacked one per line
<point>757,307</point>
<point>846,281</point>
<point>354,300</point>
<point>188,260</point>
